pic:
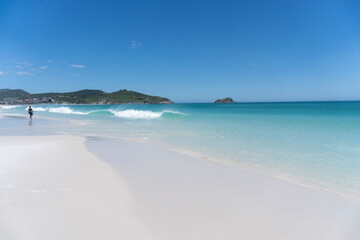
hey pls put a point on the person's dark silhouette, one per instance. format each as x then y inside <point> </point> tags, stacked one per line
<point>30,111</point>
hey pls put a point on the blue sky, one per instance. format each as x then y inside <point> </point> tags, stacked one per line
<point>189,51</point>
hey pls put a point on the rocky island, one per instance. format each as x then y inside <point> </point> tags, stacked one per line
<point>86,96</point>
<point>225,100</point>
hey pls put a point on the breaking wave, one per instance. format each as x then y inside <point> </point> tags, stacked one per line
<point>39,109</point>
<point>64,110</point>
<point>8,106</point>
<point>125,114</point>
<point>139,114</point>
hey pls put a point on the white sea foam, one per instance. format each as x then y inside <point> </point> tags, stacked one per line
<point>38,109</point>
<point>8,106</point>
<point>65,110</point>
<point>127,114</point>
<point>139,114</point>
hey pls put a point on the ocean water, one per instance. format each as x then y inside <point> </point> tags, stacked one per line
<point>316,144</point>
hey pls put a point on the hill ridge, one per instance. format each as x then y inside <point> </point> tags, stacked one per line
<point>84,96</point>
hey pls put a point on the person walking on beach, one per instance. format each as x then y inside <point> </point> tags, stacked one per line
<point>30,111</point>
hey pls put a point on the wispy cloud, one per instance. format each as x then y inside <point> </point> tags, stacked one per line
<point>43,67</point>
<point>74,65</point>
<point>50,61</point>
<point>135,44</point>
<point>254,64</point>
<point>1,73</point>
<point>18,66</point>
<point>77,66</point>
<point>24,74</point>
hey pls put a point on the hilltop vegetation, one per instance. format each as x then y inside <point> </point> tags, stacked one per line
<point>85,96</point>
<point>225,100</point>
<point>13,93</point>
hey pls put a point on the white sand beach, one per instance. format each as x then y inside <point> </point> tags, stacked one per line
<point>52,187</point>
<point>179,120</point>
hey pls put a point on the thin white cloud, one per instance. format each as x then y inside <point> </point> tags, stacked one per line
<point>24,74</point>
<point>135,44</point>
<point>254,64</point>
<point>1,73</point>
<point>18,66</point>
<point>43,67</point>
<point>33,69</point>
<point>77,66</point>
<point>50,61</point>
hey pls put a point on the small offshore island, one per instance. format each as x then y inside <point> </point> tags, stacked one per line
<point>86,96</point>
<point>225,100</point>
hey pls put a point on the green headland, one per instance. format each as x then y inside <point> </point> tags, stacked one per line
<point>86,96</point>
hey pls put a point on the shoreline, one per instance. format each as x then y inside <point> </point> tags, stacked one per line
<point>226,163</point>
<point>161,180</point>
<point>252,170</point>
<point>230,163</point>
<point>233,164</point>
<point>164,194</point>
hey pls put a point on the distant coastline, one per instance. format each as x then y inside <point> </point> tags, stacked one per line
<point>85,96</point>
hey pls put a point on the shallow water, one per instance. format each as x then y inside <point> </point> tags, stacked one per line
<point>312,143</point>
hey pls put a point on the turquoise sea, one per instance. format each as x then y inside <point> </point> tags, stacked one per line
<point>316,144</point>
